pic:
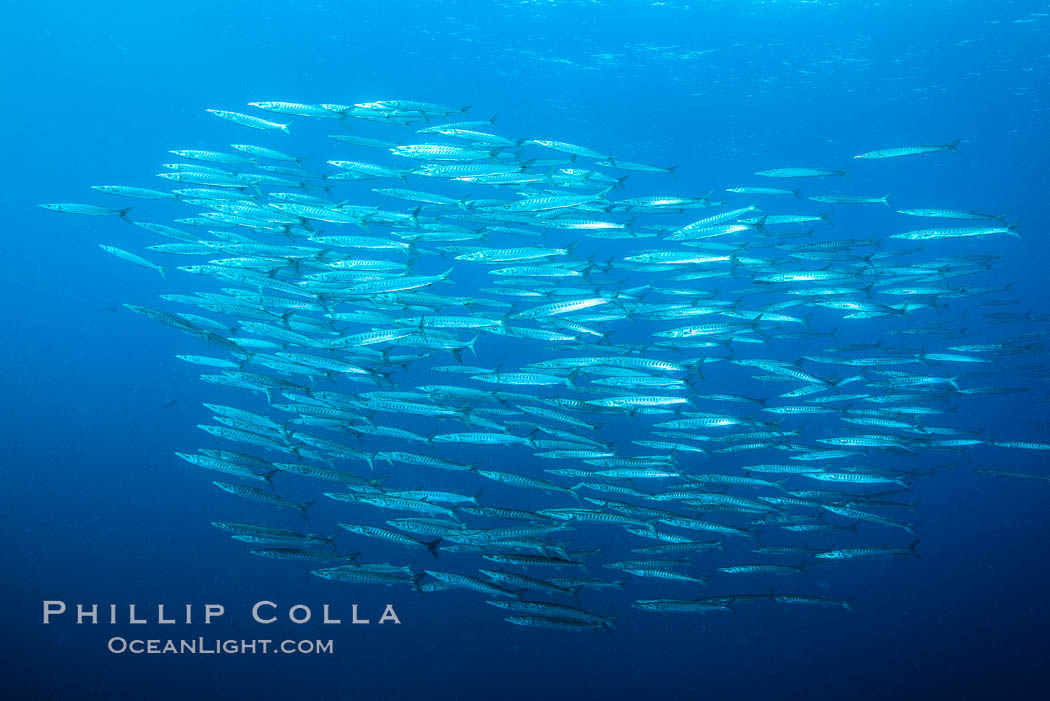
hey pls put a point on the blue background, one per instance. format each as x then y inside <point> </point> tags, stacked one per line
<point>98,509</point>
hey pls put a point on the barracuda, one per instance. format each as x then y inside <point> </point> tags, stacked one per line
<point>598,339</point>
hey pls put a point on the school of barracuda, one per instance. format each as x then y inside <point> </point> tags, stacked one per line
<point>575,374</point>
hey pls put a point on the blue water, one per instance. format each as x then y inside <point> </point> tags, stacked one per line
<point>98,509</point>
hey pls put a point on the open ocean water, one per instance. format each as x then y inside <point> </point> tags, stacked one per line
<point>99,510</point>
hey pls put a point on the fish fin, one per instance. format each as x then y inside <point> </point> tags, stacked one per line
<point>432,547</point>
<point>301,508</point>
